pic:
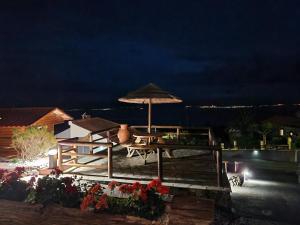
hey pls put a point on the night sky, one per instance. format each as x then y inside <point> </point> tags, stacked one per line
<point>89,53</point>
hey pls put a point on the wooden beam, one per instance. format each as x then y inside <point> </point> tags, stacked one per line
<point>159,164</point>
<point>85,165</point>
<point>186,147</point>
<point>59,157</point>
<point>69,149</point>
<point>109,163</point>
<point>87,155</point>
<point>219,167</point>
<point>84,143</point>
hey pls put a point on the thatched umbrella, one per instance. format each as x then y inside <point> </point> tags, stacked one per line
<point>150,94</point>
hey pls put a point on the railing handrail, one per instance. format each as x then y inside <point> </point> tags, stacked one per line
<point>169,127</point>
<point>84,143</point>
<point>187,147</point>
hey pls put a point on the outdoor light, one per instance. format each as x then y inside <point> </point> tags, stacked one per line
<point>255,152</point>
<point>281,132</point>
<point>246,174</point>
<point>52,154</point>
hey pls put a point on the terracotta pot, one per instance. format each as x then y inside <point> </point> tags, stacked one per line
<point>123,133</point>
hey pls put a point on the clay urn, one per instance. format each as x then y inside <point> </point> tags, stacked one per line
<point>123,133</point>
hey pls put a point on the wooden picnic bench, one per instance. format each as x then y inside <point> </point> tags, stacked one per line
<point>144,151</point>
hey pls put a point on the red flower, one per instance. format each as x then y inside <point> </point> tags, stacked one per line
<point>102,202</point>
<point>126,188</point>
<point>67,180</point>
<point>71,189</point>
<point>94,189</point>
<point>56,172</point>
<point>2,172</point>
<point>10,177</point>
<point>87,200</point>
<point>112,185</point>
<point>163,190</point>
<point>19,170</point>
<point>154,184</point>
<point>158,187</point>
<point>136,186</point>
<point>143,194</point>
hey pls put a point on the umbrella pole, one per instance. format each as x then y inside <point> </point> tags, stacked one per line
<point>149,115</point>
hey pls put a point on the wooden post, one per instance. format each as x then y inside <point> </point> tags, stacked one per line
<point>159,164</point>
<point>59,157</point>
<point>108,136</point>
<point>177,133</point>
<point>109,163</point>
<point>209,137</point>
<point>219,167</point>
<point>149,116</point>
<point>75,156</point>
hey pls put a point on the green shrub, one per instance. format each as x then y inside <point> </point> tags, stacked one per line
<point>11,186</point>
<point>279,141</point>
<point>56,189</point>
<point>297,142</point>
<point>33,142</point>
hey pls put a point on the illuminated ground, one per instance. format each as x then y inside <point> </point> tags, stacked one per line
<point>268,196</point>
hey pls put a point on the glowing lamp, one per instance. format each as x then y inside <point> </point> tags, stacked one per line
<point>246,174</point>
<point>52,154</point>
<point>281,132</point>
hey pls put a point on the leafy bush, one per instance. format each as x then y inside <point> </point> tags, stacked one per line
<point>32,141</point>
<point>279,141</point>
<point>56,189</point>
<point>134,199</point>
<point>11,186</point>
<point>247,142</point>
<point>297,142</point>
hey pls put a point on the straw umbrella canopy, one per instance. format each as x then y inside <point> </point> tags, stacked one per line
<point>150,94</point>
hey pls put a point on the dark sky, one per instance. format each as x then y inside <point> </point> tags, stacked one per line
<point>80,53</point>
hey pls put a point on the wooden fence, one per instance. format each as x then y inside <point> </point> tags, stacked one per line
<point>69,148</point>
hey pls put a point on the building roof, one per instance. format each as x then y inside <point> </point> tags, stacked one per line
<point>17,117</point>
<point>95,124</point>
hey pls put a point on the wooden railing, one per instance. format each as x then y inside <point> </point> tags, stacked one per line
<point>178,131</point>
<point>216,152</point>
<point>72,151</point>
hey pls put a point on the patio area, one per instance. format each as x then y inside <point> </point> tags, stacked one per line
<point>189,167</point>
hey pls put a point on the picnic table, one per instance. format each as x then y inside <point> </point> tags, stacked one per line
<point>143,145</point>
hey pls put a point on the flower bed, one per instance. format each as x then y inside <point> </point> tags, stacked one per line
<point>129,199</point>
<point>134,199</point>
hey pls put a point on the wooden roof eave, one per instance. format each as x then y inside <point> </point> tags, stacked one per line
<point>68,117</point>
